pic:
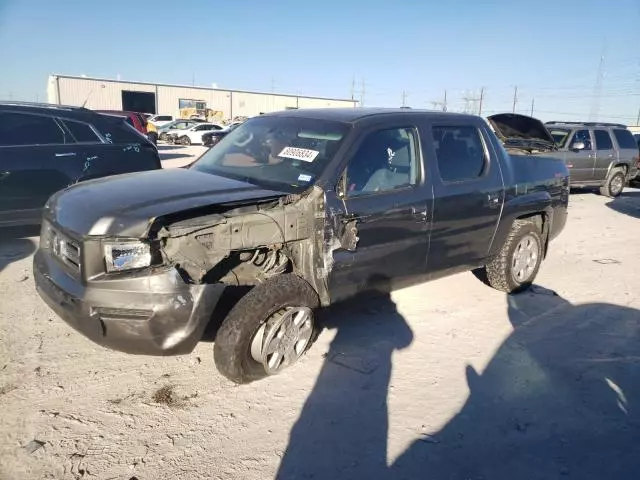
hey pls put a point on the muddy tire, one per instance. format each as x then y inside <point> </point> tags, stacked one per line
<point>614,185</point>
<point>186,141</point>
<point>515,268</point>
<point>263,320</point>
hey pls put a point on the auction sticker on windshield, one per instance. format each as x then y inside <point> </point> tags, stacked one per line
<point>299,154</point>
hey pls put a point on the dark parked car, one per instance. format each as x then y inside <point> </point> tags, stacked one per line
<point>46,148</point>
<point>305,208</point>
<point>210,139</point>
<point>603,155</point>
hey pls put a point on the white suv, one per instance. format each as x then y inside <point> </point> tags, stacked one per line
<point>193,135</point>
<point>160,120</point>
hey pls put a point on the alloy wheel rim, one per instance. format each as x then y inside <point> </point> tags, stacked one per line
<point>616,184</point>
<point>282,339</point>
<point>525,259</point>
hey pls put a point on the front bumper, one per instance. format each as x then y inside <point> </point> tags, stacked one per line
<point>155,314</point>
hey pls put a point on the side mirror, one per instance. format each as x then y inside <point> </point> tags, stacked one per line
<point>578,146</point>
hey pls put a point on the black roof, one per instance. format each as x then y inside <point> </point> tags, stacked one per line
<point>352,115</point>
<point>46,108</point>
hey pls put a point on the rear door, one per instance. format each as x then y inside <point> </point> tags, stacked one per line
<point>469,194</point>
<point>27,144</point>
<point>605,154</point>
<point>627,149</point>
<point>580,161</point>
<point>386,216</point>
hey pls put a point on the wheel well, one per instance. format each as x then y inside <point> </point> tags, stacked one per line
<point>541,221</point>
<point>623,166</point>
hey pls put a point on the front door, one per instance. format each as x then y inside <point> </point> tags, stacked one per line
<point>580,156</point>
<point>469,194</point>
<point>605,154</point>
<point>385,218</point>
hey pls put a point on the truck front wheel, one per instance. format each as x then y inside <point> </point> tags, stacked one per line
<point>268,330</point>
<point>517,264</point>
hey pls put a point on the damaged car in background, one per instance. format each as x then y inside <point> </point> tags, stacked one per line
<point>303,209</point>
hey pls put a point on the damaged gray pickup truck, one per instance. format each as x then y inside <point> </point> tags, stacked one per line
<point>303,208</point>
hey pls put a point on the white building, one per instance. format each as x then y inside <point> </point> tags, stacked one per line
<point>104,94</point>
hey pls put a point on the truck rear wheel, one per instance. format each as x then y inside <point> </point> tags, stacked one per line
<point>517,264</point>
<point>268,330</point>
<point>614,184</point>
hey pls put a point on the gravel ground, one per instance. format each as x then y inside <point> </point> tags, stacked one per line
<point>446,380</point>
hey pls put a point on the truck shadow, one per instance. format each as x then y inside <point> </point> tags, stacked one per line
<point>559,399</point>
<point>16,244</point>
<point>628,203</point>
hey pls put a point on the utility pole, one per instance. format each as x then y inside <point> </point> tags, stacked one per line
<point>193,79</point>
<point>362,93</point>
<point>597,89</point>
<point>438,104</point>
<point>638,120</point>
<point>404,98</point>
<point>515,98</point>
<point>481,101</point>
<point>273,85</point>
<point>533,102</point>
<point>353,87</point>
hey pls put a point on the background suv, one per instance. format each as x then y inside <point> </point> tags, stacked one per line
<point>601,155</point>
<point>45,148</point>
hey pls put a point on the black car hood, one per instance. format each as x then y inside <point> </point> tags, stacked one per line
<point>512,126</point>
<point>126,205</point>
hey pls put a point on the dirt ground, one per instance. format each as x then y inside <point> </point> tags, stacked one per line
<point>446,380</point>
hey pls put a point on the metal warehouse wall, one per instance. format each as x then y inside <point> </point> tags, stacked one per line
<point>107,95</point>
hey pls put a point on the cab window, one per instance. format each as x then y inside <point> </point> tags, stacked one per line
<point>385,161</point>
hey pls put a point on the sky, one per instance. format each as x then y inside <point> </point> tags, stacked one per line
<point>575,60</point>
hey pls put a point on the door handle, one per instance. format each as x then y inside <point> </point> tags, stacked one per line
<point>69,154</point>
<point>493,200</point>
<point>421,213</point>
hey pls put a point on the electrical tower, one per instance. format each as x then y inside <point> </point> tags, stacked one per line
<point>440,105</point>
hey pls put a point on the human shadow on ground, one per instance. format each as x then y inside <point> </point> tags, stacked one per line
<point>16,244</point>
<point>628,203</point>
<point>343,428</point>
<point>559,399</point>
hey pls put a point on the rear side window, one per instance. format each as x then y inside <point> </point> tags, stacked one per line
<point>81,132</point>
<point>603,140</point>
<point>625,139</point>
<point>26,129</point>
<point>118,129</point>
<point>460,153</point>
<point>163,118</point>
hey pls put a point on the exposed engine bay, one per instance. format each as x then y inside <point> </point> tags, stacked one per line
<point>248,244</point>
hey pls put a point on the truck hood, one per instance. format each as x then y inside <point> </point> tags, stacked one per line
<point>126,205</point>
<point>512,126</point>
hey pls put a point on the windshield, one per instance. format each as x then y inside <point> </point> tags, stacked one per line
<point>560,136</point>
<point>277,152</point>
